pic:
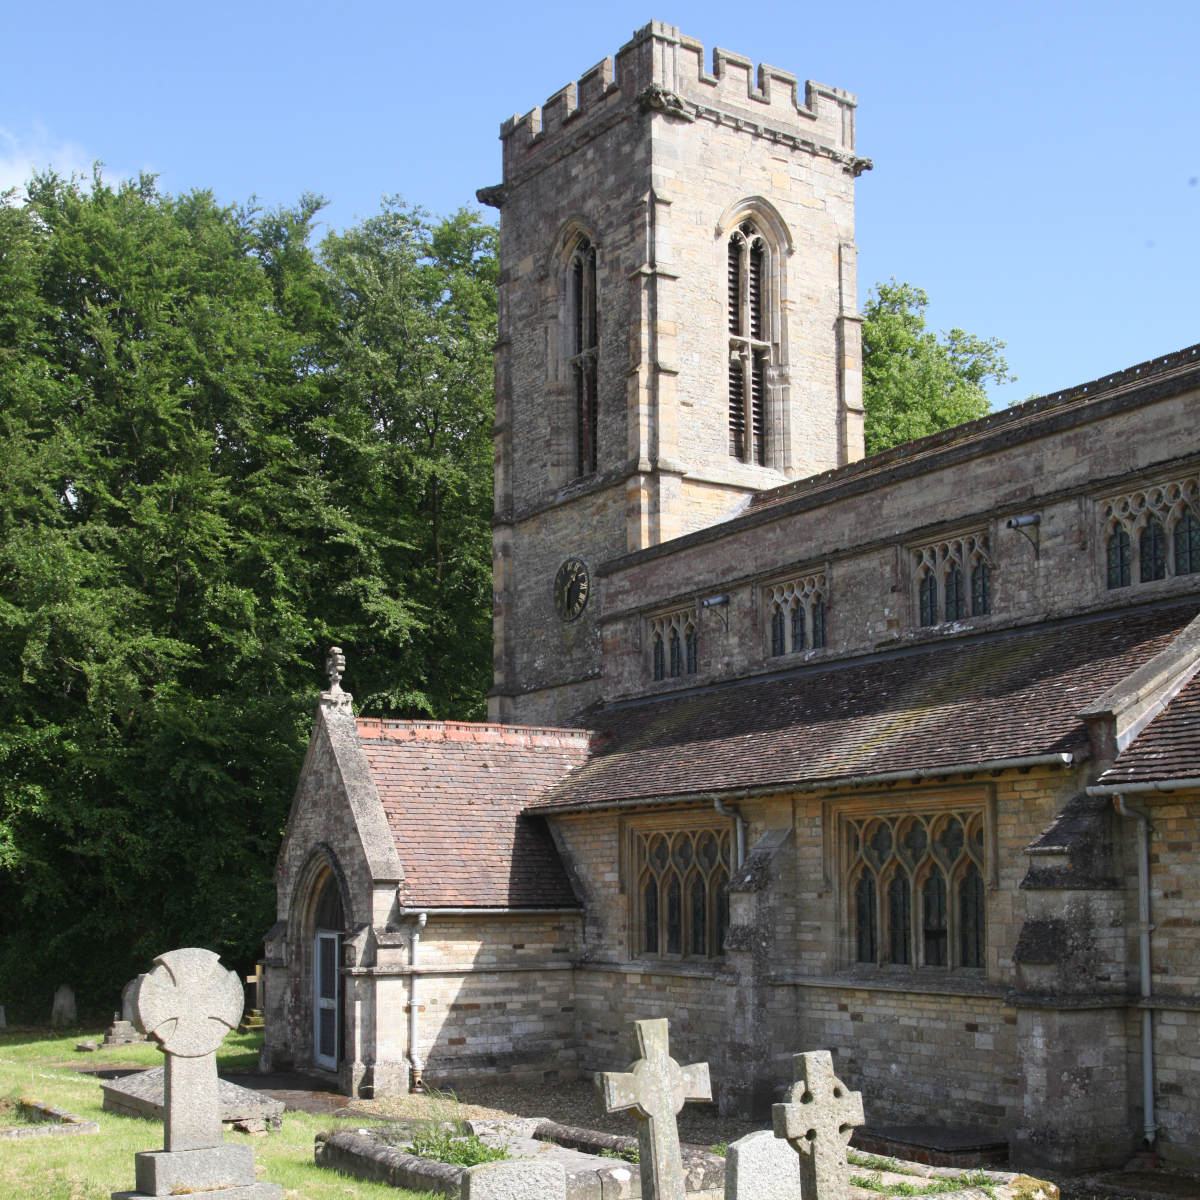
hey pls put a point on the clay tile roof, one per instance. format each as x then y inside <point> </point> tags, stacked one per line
<point>1168,748</point>
<point>1006,695</point>
<point>453,794</point>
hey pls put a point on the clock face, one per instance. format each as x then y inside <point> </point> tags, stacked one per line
<point>571,586</point>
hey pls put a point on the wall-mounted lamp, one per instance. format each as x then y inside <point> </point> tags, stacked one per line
<point>1029,526</point>
<point>721,602</point>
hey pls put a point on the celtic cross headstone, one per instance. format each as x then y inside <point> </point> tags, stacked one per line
<point>817,1119</point>
<point>655,1088</point>
<point>188,1002</point>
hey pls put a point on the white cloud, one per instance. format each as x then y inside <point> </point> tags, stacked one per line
<point>38,150</point>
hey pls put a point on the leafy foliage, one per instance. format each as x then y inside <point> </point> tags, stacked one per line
<point>915,383</point>
<point>219,452</point>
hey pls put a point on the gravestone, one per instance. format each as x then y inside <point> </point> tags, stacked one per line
<point>655,1088</point>
<point>140,1094</point>
<point>817,1118</point>
<point>761,1167</point>
<point>188,1003</point>
<point>3,1023</point>
<point>62,1012</point>
<point>515,1179</point>
<point>128,992</point>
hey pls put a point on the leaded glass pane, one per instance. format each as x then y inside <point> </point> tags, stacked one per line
<point>660,657</point>
<point>1152,551</point>
<point>981,589</point>
<point>971,918</point>
<point>956,604</point>
<point>797,625</point>
<point>674,916</point>
<point>899,919</point>
<point>650,916</point>
<point>927,596</point>
<point>699,906</point>
<point>933,919</point>
<point>818,623</point>
<point>778,646</point>
<point>676,655</point>
<point>692,652</point>
<point>1187,544</point>
<point>864,918</point>
<point>1119,558</point>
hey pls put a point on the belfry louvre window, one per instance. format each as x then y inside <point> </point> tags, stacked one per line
<point>680,882</point>
<point>953,579</point>
<point>795,611</point>
<point>914,884</point>
<point>749,348</point>
<point>674,645</point>
<point>1151,533</point>
<point>581,284</point>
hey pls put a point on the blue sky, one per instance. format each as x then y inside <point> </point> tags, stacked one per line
<point>1037,165</point>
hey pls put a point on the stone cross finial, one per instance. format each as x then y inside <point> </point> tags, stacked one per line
<point>335,668</point>
<point>188,1002</point>
<point>655,1088</point>
<point>817,1119</point>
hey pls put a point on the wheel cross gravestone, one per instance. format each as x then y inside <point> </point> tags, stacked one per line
<point>818,1118</point>
<point>655,1088</point>
<point>188,1003</point>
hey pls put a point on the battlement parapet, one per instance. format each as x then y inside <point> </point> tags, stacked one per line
<point>662,69</point>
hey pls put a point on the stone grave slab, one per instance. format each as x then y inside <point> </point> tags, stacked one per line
<point>141,1095</point>
<point>517,1179</point>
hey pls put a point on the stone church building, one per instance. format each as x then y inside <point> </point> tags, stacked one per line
<point>897,756</point>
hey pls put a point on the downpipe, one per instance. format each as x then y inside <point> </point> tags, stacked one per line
<point>415,1083</point>
<point>1150,1126</point>
<point>740,825</point>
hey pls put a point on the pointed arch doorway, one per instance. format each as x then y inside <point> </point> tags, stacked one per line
<point>328,923</point>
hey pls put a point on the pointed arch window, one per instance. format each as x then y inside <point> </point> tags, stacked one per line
<point>796,610</point>
<point>1187,544</point>
<point>953,579</point>
<point>747,269</point>
<point>583,352</point>
<point>1152,551</point>
<point>682,882</point>
<point>1120,557</point>
<point>915,888</point>
<point>674,645</point>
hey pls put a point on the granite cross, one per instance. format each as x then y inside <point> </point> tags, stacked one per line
<point>817,1118</point>
<point>188,1003</point>
<point>655,1088</point>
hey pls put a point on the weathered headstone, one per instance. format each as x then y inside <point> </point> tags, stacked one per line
<point>761,1167</point>
<point>515,1179</point>
<point>62,1011</point>
<point>817,1119</point>
<point>188,1003</point>
<point>655,1088</point>
<point>128,992</point>
<point>122,1033</point>
<point>3,1023</point>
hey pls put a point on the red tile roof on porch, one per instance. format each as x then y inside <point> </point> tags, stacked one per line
<point>963,701</point>
<point>453,793</point>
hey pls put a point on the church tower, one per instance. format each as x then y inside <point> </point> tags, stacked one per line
<point>678,330</point>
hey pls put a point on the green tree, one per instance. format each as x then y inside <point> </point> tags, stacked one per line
<point>206,476</point>
<point>915,383</point>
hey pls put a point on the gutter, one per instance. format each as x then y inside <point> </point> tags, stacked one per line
<point>495,911</point>
<point>1116,790</point>
<point>1149,1124</point>
<point>1065,758</point>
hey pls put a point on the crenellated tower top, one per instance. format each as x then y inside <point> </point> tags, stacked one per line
<point>662,69</point>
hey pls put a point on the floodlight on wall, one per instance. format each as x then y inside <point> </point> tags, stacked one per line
<point>721,602</point>
<point>1029,526</point>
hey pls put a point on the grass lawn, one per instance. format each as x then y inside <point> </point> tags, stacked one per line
<point>36,1064</point>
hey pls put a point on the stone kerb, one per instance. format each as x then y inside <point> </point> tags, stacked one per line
<point>760,1166</point>
<point>188,1002</point>
<point>516,1179</point>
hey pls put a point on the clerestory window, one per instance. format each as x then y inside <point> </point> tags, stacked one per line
<point>674,645</point>
<point>953,579</point>
<point>796,614</point>
<point>1152,533</point>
